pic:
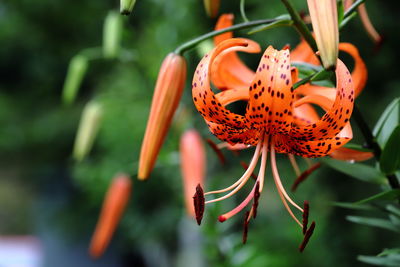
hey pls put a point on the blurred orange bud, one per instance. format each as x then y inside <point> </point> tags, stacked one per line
<point>193,165</point>
<point>212,7</point>
<point>168,92</point>
<point>114,204</point>
<point>324,20</point>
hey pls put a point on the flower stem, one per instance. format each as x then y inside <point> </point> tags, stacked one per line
<point>242,11</point>
<point>300,25</point>
<point>352,8</point>
<point>192,43</point>
<point>371,142</point>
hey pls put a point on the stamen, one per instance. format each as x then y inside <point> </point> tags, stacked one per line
<point>255,200</point>
<point>233,212</point>
<point>239,183</point>
<point>294,164</point>
<point>245,227</point>
<point>264,157</point>
<point>302,177</point>
<point>305,216</point>
<point>278,179</point>
<point>245,167</point>
<point>279,186</point>
<point>307,237</point>
<point>217,151</point>
<point>198,200</point>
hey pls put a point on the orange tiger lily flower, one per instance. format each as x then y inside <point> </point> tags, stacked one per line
<point>269,123</point>
<point>229,68</point>
<point>193,165</point>
<point>167,94</point>
<point>114,205</point>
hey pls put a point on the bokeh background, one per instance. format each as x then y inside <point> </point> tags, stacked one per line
<point>53,201</point>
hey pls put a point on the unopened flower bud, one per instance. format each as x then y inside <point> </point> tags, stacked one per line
<point>76,72</point>
<point>126,6</point>
<point>324,20</point>
<point>112,31</point>
<point>193,165</point>
<point>88,128</point>
<point>167,94</point>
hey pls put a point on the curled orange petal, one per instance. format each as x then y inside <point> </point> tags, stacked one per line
<point>114,205</point>
<point>193,165</point>
<point>229,71</point>
<point>167,93</point>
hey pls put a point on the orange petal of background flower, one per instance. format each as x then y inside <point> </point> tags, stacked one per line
<point>303,53</point>
<point>211,7</point>
<point>193,165</point>
<point>348,154</point>
<point>360,72</point>
<point>337,117</point>
<point>167,93</point>
<point>114,205</point>
<point>230,71</point>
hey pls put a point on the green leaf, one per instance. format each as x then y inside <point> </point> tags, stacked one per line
<point>390,158</point>
<point>383,261</point>
<point>375,222</point>
<point>389,120</point>
<point>353,206</point>
<point>387,195</point>
<point>388,251</point>
<point>393,209</point>
<point>357,170</point>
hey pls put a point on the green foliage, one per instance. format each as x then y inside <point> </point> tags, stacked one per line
<point>390,158</point>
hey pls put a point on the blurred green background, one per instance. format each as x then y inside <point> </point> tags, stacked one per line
<point>44,192</point>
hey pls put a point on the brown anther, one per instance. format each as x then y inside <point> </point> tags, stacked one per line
<point>305,175</point>
<point>286,47</point>
<point>245,166</point>
<point>245,227</point>
<point>199,202</point>
<point>305,216</point>
<point>307,236</point>
<point>217,151</point>
<point>255,200</point>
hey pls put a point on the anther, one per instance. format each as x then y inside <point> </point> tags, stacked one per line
<point>305,175</point>
<point>199,201</point>
<point>307,236</point>
<point>245,227</point>
<point>255,200</point>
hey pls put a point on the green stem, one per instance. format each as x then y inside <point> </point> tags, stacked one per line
<point>371,142</point>
<point>308,79</point>
<point>192,43</point>
<point>242,12</point>
<point>352,8</point>
<point>300,25</point>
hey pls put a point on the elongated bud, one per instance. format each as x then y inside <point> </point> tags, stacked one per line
<point>114,205</point>
<point>76,71</point>
<point>193,166</point>
<point>211,7</point>
<point>126,6</point>
<point>167,93</point>
<point>112,31</point>
<point>324,20</point>
<point>88,128</point>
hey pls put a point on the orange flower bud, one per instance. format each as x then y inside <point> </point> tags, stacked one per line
<point>168,92</point>
<point>212,7</point>
<point>193,166</point>
<point>324,20</point>
<point>113,206</point>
